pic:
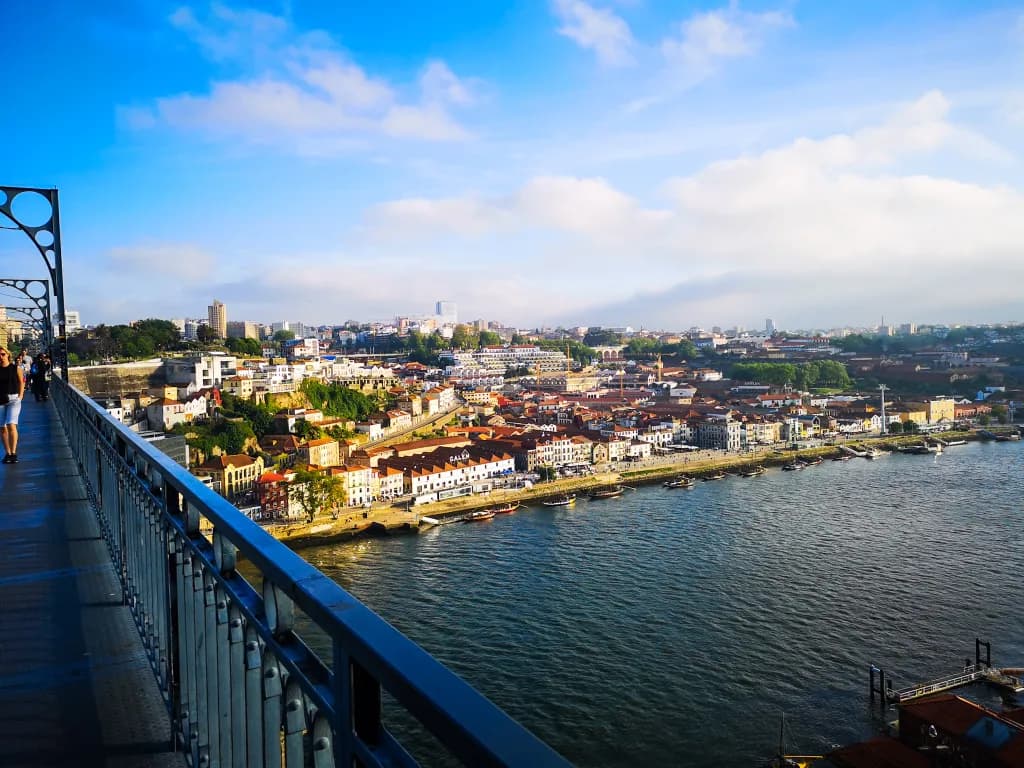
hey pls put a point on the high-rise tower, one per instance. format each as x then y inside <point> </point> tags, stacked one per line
<point>217,314</point>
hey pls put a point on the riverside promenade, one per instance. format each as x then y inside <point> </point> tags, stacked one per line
<point>76,687</point>
<point>383,517</point>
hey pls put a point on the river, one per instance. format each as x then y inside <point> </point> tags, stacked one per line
<point>673,627</point>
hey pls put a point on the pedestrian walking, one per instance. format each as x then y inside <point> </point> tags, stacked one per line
<point>12,389</point>
<point>39,377</point>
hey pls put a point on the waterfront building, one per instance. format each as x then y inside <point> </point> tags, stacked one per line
<point>272,496</point>
<point>236,473</point>
<point>357,482</point>
<point>217,314</point>
<point>388,483</point>
<point>940,410</point>
<point>72,321</point>
<point>720,432</point>
<point>322,452</point>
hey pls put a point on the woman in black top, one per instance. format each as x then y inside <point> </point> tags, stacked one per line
<point>12,388</point>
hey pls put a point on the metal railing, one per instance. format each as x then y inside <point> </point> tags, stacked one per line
<point>242,688</point>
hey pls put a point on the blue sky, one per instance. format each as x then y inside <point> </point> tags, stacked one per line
<point>561,162</point>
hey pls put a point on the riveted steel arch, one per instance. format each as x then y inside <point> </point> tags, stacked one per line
<point>38,292</point>
<point>45,237</point>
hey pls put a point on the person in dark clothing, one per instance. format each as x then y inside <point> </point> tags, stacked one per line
<point>39,376</point>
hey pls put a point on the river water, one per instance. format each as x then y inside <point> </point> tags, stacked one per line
<point>673,627</point>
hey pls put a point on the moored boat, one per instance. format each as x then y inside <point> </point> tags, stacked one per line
<point>480,514</point>
<point>793,466</point>
<point>504,509</point>
<point>812,462</point>
<point>608,493</point>
<point>560,501</point>
<point>752,471</point>
<point>679,482</point>
<point>714,476</point>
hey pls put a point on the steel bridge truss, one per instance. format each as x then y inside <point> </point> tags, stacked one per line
<point>44,232</point>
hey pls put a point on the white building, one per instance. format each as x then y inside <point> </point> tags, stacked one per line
<point>195,373</point>
<point>72,321</point>
<point>165,414</point>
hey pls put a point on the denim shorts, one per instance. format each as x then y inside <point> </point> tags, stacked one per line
<point>9,412</point>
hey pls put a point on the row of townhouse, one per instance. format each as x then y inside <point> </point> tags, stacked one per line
<point>450,468</point>
<point>278,497</point>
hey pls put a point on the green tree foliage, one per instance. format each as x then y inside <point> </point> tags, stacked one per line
<point>229,436</point>
<point>318,493</point>
<point>464,337</point>
<point>338,400</point>
<point>601,337</point>
<point>248,347</point>
<point>306,430</point>
<point>489,339</point>
<point>144,339</point>
<point>282,336</point>
<point>233,435</point>
<point>910,427</point>
<point>895,428</point>
<point>420,347</point>
<point>777,374</point>
<point>805,375</point>
<point>207,335</point>
<point>1000,413</point>
<point>259,417</point>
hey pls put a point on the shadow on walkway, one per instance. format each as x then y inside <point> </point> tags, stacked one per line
<point>76,687</point>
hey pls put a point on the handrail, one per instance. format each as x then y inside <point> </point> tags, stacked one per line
<point>240,684</point>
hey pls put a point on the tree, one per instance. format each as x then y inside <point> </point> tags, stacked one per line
<point>910,427</point>
<point>206,334</point>
<point>489,339</point>
<point>232,436</point>
<point>601,337</point>
<point>282,336</point>
<point>250,347</point>
<point>317,493</point>
<point>895,427</point>
<point>337,400</point>
<point>464,337</point>
<point>999,412</point>
<point>306,430</point>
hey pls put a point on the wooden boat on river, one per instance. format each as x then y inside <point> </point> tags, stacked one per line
<point>560,501</point>
<point>504,509</point>
<point>608,493</point>
<point>679,482</point>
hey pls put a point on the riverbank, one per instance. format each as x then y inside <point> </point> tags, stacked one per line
<point>382,518</point>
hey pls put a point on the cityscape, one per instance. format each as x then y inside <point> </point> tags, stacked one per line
<point>534,383</point>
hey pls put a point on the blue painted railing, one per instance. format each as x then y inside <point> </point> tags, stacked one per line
<point>242,687</point>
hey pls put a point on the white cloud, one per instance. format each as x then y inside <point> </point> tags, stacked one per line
<point>707,39</point>
<point>808,226</point>
<point>302,92</point>
<point>591,208</point>
<point>440,85</point>
<point>596,29</point>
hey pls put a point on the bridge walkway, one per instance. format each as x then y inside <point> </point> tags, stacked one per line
<point>76,688</point>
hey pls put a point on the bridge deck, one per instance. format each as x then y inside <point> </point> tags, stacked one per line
<point>75,684</point>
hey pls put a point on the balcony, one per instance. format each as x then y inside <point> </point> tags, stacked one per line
<point>128,637</point>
